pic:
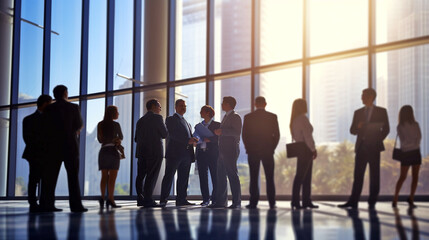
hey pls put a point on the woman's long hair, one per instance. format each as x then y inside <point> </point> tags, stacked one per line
<point>299,107</point>
<point>110,113</point>
<point>406,115</point>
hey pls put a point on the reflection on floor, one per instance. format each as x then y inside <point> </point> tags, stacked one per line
<point>130,222</point>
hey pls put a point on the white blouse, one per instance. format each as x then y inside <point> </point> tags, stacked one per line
<point>302,131</point>
<point>410,136</point>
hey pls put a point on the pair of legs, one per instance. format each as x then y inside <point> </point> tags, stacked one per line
<point>108,178</point>
<point>415,179</point>
<point>227,167</point>
<point>182,165</point>
<point>147,170</point>
<point>304,169</point>
<point>254,166</point>
<point>207,161</point>
<point>34,179</point>
<point>366,155</point>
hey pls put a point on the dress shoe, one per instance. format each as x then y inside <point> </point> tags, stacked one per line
<point>273,206</point>
<point>152,205</point>
<point>79,210</point>
<point>35,208</point>
<point>251,206</point>
<point>348,205</point>
<point>234,206</point>
<point>184,203</point>
<point>204,204</point>
<point>111,204</point>
<point>310,205</point>
<point>162,203</point>
<point>295,206</point>
<point>371,206</point>
<point>411,204</point>
<point>214,205</point>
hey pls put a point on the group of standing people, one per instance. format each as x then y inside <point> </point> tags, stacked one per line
<point>217,151</point>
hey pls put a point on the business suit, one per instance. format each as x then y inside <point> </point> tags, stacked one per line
<point>179,155</point>
<point>261,135</point>
<point>229,151</point>
<point>33,152</point>
<point>369,144</point>
<point>207,160</point>
<point>62,125</point>
<point>150,131</point>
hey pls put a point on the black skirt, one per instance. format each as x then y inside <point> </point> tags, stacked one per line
<point>108,158</point>
<point>412,157</point>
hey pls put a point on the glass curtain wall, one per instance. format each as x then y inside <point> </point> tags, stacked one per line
<point>282,50</point>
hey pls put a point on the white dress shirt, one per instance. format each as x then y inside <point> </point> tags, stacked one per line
<point>302,131</point>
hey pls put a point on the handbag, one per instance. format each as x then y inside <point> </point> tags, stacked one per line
<point>294,149</point>
<point>397,155</point>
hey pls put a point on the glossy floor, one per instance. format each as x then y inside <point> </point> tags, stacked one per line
<point>130,222</point>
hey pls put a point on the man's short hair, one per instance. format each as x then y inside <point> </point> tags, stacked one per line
<point>260,100</point>
<point>230,101</point>
<point>59,91</point>
<point>370,92</point>
<point>178,101</point>
<point>43,99</point>
<point>152,103</point>
<point>209,109</point>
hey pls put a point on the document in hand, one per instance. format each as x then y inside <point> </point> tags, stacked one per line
<point>202,131</point>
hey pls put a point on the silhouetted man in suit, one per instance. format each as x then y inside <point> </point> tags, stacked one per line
<point>150,131</point>
<point>179,155</point>
<point>229,141</point>
<point>371,125</point>
<point>34,149</point>
<point>260,137</point>
<point>62,126</point>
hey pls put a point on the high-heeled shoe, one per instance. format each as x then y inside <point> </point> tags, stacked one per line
<point>113,205</point>
<point>394,205</point>
<point>101,202</point>
<point>411,204</point>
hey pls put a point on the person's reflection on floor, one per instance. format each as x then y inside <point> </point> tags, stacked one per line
<point>74,231</point>
<point>203,228</point>
<point>183,231</point>
<point>107,225</point>
<point>302,229</point>
<point>219,224</point>
<point>357,223</point>
<point>374,225</point>
<point>414,224</point>
<point>41,226</point>
<point>254,224</point>
<point>234,224</point>
<point>146,224</point>
<point>399,226</point>
<point>270,231</point>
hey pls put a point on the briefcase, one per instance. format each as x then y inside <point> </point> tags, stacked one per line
<point>295,148</point>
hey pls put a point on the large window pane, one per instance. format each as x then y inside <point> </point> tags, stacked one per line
<point>124,24</point>
<point>4,149</point>
<point>337,25</point>
<point>335,93</point>
<point>22,168</point>
<point>95,114</point>
<point>124,104</point>
<point>232,35</point>
<point>191,38</point>
<point>65,47</point>
<point>403,79</point>
<point>195,98</point>
<point>6,32</point>
<point>398,20</point>
<point>97,46</point>
<point>31,52</point>
<point>280,89</point>
<point>239,88</point>
<point>280,31</point>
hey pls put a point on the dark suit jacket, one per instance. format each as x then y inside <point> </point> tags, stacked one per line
<point>150,131</point>
<point>261,132</point>
<point>177,140</point>
<point>379,115</point>
<point>32,134</point>
<point>63,121</point>
<point>212,146</point>
<point>231,131</point>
